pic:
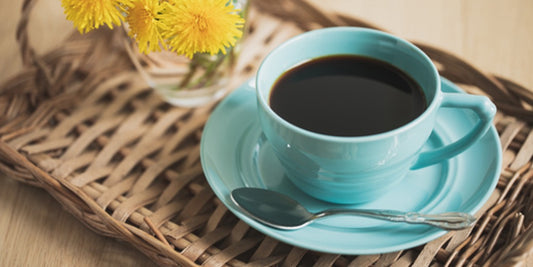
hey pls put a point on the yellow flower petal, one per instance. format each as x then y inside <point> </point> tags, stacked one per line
<point>91,14</point>
<point>144,19</point>
<point>202,26</point>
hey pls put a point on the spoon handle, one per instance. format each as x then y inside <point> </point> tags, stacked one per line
<point>446,221</point>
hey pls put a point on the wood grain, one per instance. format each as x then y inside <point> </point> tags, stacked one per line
<point>34,230</point>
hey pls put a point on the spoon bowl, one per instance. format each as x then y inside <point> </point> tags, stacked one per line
<point>282,212</point>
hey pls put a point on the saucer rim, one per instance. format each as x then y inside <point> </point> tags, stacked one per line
<point>418,239</point>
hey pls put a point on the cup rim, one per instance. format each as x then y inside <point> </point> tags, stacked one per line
<point>349,29</point>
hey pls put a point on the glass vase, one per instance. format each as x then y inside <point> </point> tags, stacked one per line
<point>186,82</point>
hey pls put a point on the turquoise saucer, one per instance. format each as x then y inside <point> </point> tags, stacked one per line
<point>235,154</point>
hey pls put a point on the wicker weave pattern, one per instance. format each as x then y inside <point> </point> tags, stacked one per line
<point>80,123</point>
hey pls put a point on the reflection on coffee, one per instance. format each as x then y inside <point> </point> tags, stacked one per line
<point>347,96</point>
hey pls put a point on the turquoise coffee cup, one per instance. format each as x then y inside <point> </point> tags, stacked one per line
<point>360,169</point>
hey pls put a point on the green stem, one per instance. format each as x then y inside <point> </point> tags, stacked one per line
<point>193,67</point>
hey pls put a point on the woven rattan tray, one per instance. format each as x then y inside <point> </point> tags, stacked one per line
<point>80,123</point>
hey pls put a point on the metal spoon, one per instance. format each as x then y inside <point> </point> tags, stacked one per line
<point>282,212</point>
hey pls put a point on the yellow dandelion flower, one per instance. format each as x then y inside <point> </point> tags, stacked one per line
<point>144,19</point>
<point>202,26</point>
<point>91,14</point>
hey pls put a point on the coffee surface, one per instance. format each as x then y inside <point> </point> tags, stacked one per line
<point>347,96</point>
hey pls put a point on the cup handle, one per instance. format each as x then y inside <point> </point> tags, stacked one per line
<point>484,109</point>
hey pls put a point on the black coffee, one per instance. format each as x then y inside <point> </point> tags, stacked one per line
<point>347,96</point>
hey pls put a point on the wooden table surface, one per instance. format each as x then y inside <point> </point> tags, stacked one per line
<point>495,35</point>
